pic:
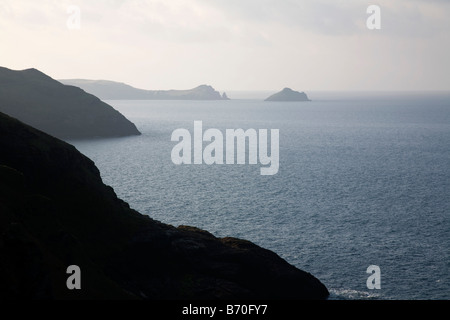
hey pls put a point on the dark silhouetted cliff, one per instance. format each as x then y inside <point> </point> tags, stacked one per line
<point>55,211</point>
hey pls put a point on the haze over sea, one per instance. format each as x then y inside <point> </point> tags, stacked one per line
<point>364,179</point>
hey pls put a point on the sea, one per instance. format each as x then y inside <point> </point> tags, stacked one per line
<point>363,180</point>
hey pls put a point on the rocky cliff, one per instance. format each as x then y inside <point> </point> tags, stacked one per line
<point>55,211</point>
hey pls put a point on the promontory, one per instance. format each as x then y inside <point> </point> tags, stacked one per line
<point>111,90</point>
<point>63,111</point>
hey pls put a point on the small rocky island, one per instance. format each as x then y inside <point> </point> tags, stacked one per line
<point>63,111</point>
<point>288,94</point>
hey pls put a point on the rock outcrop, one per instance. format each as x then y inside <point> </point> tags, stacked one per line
<point>288,94</point>
<point>111,90</point>
<point>62,111</point>
<point>55,211</point>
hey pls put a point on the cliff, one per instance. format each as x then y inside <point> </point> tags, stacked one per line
<point>111,90</point>
<point>65,112</point>
<point>288,94</point>
<point>55,211</point>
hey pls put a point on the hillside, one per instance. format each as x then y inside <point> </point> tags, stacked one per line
<point>63,111</point>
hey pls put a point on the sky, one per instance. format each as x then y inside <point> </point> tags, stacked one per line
<point>306,45</point>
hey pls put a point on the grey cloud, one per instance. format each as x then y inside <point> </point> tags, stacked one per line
<point>333,17</point>
<point>318,16</point>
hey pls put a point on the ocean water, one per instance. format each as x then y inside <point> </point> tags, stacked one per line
<point>364,179</point>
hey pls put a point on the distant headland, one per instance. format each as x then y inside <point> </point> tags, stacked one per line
<point>288,94</point>
<point>111,90</point>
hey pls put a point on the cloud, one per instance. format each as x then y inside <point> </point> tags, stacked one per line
<point>232,43</point>
<point>331,17</point>
<point>233,20</point>
<point>326,17</point>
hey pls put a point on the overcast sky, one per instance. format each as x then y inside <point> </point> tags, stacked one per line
<point>233,44</point>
